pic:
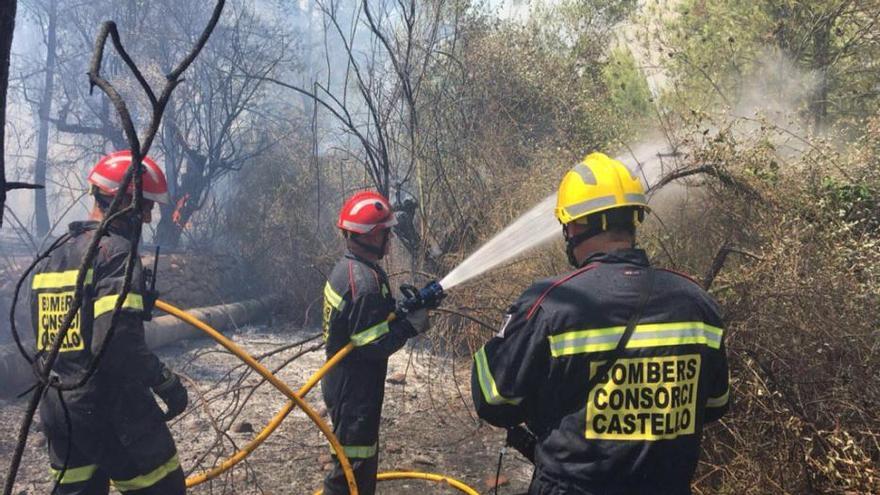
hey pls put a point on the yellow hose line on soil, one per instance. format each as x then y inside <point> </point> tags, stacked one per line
<point>273,424</point>
<point>277,383</point>
<point>415,475</point>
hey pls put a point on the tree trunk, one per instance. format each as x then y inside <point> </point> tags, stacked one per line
<point>7,26</point>
<point>41,210</point>
<point>192,186</point>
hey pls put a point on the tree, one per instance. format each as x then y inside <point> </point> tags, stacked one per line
<point>221,119</point>
<point>7,26</point>
<point>216,121</point>
<point>41,210</point>
<point>716,50</point>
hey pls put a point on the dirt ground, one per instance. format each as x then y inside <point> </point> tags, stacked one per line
<point>428,423</point>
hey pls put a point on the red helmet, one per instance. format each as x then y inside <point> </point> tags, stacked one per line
<point>108,173</point>
<point>365,212</point>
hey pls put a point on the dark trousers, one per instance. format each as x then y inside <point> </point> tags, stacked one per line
<point>544,484</point>
<point>90,475</point>
<point>135,452</point>
<point>364,474</point>
<point>357,429</point>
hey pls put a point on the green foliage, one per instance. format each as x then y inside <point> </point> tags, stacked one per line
<point>717,50</point>
<point>628,89</point>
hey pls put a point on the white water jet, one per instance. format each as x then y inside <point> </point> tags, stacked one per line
<point>533,228</point>
<point>539,225</point>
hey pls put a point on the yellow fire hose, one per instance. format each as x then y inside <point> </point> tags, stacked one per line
<point>281,386</point>
<point>295,399</point>
<point>415,475</point>
<point>273,424</point>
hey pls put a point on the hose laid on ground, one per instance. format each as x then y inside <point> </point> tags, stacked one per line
<point>296,399</point>
<point>277,383</point>
<point>415,475</point>
<point>273,424</point>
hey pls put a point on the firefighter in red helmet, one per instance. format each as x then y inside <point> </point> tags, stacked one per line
<point>111,430</point>
<point>357,304</point>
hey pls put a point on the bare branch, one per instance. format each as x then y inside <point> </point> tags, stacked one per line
<point>709,169</point>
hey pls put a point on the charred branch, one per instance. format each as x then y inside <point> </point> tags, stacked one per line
<point>713,170</point>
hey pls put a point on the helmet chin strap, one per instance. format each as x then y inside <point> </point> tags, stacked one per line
<point>572,242</point>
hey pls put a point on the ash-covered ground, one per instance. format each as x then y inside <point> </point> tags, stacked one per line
<point>428,423</point>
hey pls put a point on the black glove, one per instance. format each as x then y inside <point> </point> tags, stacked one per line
<point>523,441</point>
<point>172,393</point>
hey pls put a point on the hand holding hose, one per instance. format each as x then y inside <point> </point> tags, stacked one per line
<point>414,307</point>
<point>173,394</point>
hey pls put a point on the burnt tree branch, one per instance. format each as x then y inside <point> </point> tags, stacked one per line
<point>713,170</point>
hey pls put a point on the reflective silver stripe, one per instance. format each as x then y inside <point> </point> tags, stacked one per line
<point>363,204</point>
<point>586,173</point>
<point>647,335</point>
<point>331,296</point>
<point>357,227</point>
<point>719,401</point>
<point>360,451</point>
<point>487,382</point>
<point>363,227</point>
<point>57,280</point>
<point>109,185</point>
<point>370,334</point>
<point>635,198</point>
<point>589,205</point>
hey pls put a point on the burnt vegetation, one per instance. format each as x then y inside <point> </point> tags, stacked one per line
<point>755,124</point>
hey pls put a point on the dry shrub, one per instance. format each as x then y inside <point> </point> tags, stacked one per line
<point>800,310</point>
<point>283,226</point>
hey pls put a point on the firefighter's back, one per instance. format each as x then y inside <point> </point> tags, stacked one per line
<point>639,430</point>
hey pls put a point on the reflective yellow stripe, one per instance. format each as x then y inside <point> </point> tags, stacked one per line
<point>646,335</point>
<point>332,297</point>
<point>487,382</point>
<point>359,451</point>
<point>107,303</point>
<point>718,401</point>
<point>370,334</point>
<point>149,479</point>
<point>74,475</point>
<point>57,280</point>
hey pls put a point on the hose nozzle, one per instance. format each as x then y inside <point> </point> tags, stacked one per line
<point>428,297</point>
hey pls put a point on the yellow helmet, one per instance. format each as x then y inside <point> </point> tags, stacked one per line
<point>598,183</point>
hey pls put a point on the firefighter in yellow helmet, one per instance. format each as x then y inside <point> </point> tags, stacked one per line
<point>614,367</point>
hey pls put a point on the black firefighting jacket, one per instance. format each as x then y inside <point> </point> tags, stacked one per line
<point>637,432</point>
<point>119,391</point>
<point>357,304</point>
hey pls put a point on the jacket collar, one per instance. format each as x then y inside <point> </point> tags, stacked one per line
<point>360,259</point>
<point>635,256</point>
